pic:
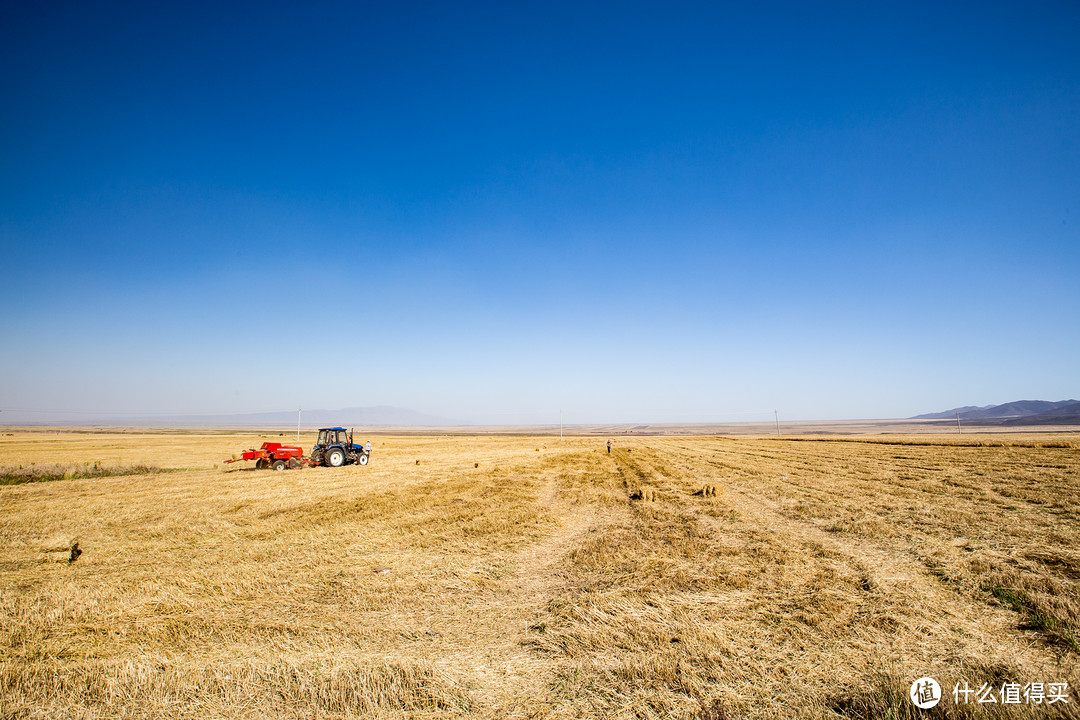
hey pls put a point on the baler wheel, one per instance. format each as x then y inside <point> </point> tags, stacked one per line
<point>280,465</point>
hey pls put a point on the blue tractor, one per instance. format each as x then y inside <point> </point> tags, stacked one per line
<point>335,448</point>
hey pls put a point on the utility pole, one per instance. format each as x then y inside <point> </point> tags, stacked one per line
<point>958,432</point>
<point>297,424</point>
<point>776,415</point>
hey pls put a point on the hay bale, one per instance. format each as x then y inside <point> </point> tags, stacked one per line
<point>62,551</point>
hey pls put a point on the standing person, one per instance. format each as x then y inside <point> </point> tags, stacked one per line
<point>608,447</point>
<point>367,448</point>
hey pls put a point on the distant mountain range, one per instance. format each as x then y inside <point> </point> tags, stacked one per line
<point>1021,412</point>
<point>383,416</point>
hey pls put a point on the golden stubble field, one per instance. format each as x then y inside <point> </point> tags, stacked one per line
<point>524,577</point>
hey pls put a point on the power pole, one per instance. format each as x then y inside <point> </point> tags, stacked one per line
<point>776,415</point>
<point>958,432</point>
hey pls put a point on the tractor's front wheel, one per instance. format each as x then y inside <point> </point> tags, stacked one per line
<point>363,459</point>
<point>279,465</point>
<point>335,458</point>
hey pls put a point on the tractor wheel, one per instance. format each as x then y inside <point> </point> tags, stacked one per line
<point>261,464</point>
<point>335,458</point>
<point>280,465</point>
<point>363,460</point>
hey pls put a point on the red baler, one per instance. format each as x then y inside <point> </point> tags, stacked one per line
<point>273,455</point>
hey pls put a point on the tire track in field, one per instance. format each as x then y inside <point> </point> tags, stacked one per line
<point>973,499</point>
<point>892,577</point>
<point>889,572</point>
<point>510,680</point>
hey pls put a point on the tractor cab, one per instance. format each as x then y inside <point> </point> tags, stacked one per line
<point>333,436</point>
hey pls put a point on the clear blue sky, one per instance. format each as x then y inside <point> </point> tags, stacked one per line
<point>629,211</point>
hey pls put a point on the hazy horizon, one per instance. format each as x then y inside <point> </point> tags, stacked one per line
<point>384,416</point>
<point>494,213</point>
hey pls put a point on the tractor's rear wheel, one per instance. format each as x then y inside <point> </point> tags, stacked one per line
<point>335,458</point>
<point>363,460</point>
<point>279,465</point>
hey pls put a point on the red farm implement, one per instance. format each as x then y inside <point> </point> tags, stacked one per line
<point>274,455</point>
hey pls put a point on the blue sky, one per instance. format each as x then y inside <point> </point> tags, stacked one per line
<point>491,212</point>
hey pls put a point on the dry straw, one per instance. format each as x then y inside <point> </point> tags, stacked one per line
<point>751,578</point>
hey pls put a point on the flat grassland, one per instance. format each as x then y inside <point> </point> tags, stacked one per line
<point>524,577</point>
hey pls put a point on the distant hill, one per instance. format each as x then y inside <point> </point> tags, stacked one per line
<point>1020,412</point>
<point>1067,415</point>
<point>946,414</point>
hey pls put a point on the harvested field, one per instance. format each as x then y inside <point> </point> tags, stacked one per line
<point>515,577</point>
